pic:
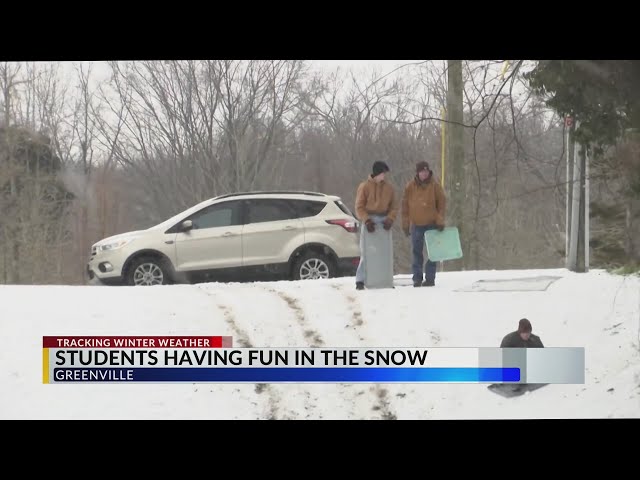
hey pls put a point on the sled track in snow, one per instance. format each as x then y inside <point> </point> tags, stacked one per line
<point>383,402</point>
<point>273,398</point>
<point>313,337</point>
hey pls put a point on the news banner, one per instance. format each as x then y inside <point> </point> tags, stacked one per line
<point>199,359</point>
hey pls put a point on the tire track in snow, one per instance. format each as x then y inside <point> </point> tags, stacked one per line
<point>273,398</point>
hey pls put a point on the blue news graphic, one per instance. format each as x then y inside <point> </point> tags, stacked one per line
<point>300,375</point>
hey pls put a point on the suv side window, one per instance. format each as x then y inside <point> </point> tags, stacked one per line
<point>308,208</point>
<point>224,214</point>
<point>344,208</point>
<point>269,210</point>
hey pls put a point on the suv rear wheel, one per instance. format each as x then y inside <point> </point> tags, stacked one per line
<point>147,271</point>
<point>312,265</point>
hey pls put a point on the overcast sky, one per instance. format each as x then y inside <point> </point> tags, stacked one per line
<point>101,70</point>
<point>362,64</point>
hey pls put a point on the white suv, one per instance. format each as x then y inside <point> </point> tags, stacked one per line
<point>242,236</point>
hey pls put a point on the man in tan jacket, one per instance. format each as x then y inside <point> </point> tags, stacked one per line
<point>423,208</point>
<point>375,208</point>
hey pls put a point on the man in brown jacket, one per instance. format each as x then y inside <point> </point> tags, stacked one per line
<point>423,208</point>
<point>375,208</point>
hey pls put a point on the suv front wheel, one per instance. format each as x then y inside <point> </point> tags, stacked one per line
<point>311,266</point>
<point>147,271</point>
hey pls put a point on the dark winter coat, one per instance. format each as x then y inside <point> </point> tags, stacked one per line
<point>513,340</point>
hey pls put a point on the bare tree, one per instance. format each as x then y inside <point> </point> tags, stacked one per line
<point>9,81</point>
<point>259,109</point>
<point>157,137</point>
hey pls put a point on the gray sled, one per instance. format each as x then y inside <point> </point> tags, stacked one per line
<point>510,390</point>
<point>378,255</point>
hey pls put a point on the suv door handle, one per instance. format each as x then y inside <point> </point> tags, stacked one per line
<point>229,234</point>
<point>289,227</point>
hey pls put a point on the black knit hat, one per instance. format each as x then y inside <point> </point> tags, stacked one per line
<point>524,326</point>
<point>378,168</point>
<point>420,166</point>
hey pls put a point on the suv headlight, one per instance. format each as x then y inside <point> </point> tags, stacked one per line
<point>114,245</point>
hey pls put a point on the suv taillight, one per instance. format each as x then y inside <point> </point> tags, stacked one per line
<point>349,225</point>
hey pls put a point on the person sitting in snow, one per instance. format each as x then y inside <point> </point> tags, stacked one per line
<point>522,338</point>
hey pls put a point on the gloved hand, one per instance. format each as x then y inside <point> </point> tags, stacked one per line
<point>370,225</point>
<point>387,223</point>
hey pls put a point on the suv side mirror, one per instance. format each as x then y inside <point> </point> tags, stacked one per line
<point>186,226</point>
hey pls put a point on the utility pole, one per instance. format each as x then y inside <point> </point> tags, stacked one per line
<point>577,260</point>
<point>443,156</point>
<point>569,146</point>
<point>587,201</point>
<point>581,254</point>
<point>455,147</point>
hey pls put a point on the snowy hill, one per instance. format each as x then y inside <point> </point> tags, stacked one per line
<point>597,311</point>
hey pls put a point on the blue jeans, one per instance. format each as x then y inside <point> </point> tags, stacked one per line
<point>361,273</point>
<point>417,242</point>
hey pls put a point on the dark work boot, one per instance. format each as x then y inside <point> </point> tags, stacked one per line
<point>359,285</point>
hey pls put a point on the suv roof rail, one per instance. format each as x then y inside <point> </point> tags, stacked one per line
<point>272,192</point>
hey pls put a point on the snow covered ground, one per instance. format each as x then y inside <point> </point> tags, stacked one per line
<point>598,311</point>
